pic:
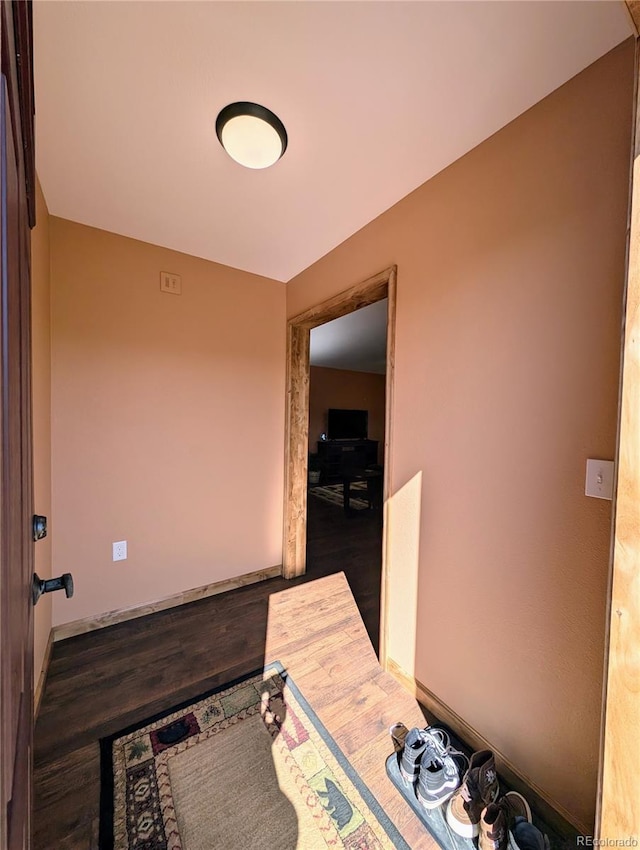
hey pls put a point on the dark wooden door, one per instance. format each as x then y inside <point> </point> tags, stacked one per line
<point>17,176</point>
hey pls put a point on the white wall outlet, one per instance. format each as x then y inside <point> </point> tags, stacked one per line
<point>120,550</point>
<point>171,283</point>
<point>599,481</point>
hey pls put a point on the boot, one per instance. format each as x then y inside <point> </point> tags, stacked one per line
<point>479,788</point>
<point>498,818</point>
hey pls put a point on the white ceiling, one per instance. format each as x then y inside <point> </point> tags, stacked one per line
<point>377,97</point>
<point>357,341</point>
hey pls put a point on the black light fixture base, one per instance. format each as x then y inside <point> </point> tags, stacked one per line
<point>245,107</point>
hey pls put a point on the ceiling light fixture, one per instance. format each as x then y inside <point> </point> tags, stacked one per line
<point>251,134</point>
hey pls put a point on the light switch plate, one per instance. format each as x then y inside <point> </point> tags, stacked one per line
<point>599,479</point>
<point>171,283</point>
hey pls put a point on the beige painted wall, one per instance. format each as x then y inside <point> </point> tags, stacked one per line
<point>510,273</point>
<point>343,388</point>
<point>168,420</point>
<point>41,399</point>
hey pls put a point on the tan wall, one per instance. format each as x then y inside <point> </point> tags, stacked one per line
<point>168,419</point>
<point>510,273</point>
<point>343,388</point>
<point>41,396</point>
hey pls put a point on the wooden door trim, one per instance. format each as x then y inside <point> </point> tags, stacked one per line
<point>618,803</point>
<point>16,500</point>
<point>381,285</point>
<point>633,7</point>
<point>17,50</point>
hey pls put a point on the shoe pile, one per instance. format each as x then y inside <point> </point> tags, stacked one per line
<point>429,764</point>
<point>438,774</point>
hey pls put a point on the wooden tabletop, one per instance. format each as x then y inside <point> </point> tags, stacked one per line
<point>316,632</point>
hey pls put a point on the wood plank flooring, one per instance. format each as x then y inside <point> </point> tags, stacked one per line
<point>102,681</point>
<point>315,631</point>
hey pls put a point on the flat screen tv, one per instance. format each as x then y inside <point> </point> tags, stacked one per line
<point>347,424</point>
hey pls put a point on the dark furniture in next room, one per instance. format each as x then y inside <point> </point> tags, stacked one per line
<point>374,478</point>
<point>337,457</point>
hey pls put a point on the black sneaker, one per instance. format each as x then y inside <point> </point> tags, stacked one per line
<point>525,836</point>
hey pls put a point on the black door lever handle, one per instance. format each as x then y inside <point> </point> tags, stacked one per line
<point>40,585</point>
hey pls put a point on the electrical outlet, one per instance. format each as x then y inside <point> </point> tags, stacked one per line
<point>171,283</point>
<point>120,550</point>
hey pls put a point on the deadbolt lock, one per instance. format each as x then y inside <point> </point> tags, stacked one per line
<point>39,527</point>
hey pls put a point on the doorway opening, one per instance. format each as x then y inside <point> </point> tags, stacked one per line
<point>297,447</point>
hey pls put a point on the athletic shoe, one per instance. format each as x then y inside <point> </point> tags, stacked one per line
<point>441,769</point>
<point>414,747</point>
<point>525,836</point>
<point>479,788</point>
<point>497,819</point>
<point>416,743</point>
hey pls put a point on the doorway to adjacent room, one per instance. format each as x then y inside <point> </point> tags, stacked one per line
<point>346,454</point>
<point>351,467</point>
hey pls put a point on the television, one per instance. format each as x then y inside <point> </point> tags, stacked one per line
<point>347,424</point>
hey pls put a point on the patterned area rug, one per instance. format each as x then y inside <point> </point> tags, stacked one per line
<point>248,767</point>
<point>334,493</point>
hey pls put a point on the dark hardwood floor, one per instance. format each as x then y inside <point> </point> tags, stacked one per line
<point>103,681</point>
<point>353,545</point>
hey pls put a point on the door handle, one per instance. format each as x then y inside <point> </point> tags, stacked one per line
<point>40,585</point>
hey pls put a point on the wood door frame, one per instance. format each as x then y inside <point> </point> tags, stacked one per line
<point>618,803</point>
<point>381,285</point>
<point>16,471</point>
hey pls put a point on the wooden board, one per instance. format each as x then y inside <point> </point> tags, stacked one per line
<point>619,803</point>
<point>388,442</point>
<point>316,632</point>
<point>16,490</point>
<point>296,451</point>
<point>633,7</point>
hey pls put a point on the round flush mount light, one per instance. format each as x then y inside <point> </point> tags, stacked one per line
<point>251,134</point>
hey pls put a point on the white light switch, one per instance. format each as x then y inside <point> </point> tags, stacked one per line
<point>599,479</point>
